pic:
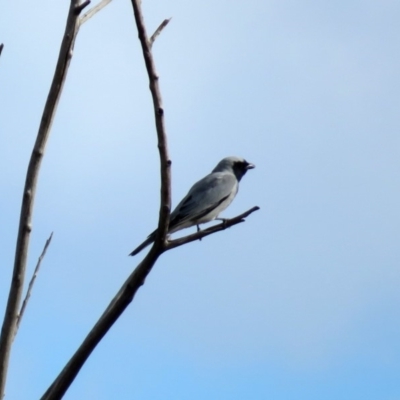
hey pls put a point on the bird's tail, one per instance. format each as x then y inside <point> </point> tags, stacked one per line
<point>150,239</point>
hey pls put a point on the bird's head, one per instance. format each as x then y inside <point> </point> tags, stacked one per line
<point>239,166</point>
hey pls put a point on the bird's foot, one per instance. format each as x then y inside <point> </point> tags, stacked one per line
<point>198,230</point>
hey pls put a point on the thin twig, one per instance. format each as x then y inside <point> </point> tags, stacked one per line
<point>94,10</point>
<point>21,251</point>
<point>209,231</point>
<point>158,31</point>
<point>31,283</point>
<point>1,47</point>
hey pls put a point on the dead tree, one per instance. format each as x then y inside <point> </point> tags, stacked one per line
<point>14,310</point>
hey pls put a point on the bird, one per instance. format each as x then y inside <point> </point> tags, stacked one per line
<point>206,199</point>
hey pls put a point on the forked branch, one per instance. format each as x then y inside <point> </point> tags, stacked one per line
<point>165,163</point>
<point>127,292</point>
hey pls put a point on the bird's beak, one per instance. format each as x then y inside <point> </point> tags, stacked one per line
<point>250,166</point>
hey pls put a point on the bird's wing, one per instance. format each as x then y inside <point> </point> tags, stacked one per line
<point>204,196</point>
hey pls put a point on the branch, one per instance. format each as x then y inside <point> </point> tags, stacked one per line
<point>127,292</point>
<point>155,35</point>
<point>165,206</point>
<point>1,48</point>
<point>116,307</point>
<point>94,10</point>
<point>32,281</point>
<point>25,227</point>
<point>209,231</point>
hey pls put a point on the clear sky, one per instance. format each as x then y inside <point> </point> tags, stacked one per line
<point>300,302</point>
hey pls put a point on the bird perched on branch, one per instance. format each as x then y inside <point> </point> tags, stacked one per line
<point>207,198</point>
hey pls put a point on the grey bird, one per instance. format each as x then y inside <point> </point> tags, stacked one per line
<point>206,198</point>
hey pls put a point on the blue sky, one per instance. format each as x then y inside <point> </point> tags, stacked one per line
<point>299,302</point>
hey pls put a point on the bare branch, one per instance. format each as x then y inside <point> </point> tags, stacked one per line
<point>1,48</point>
<point>165,162</point>
<point>21,251</point>
<point>137,278</point>
<point>116,307</point>
<point>31,283</point>
<point>94,10</point>
<point>209,231</point>
<point>155,35</point>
